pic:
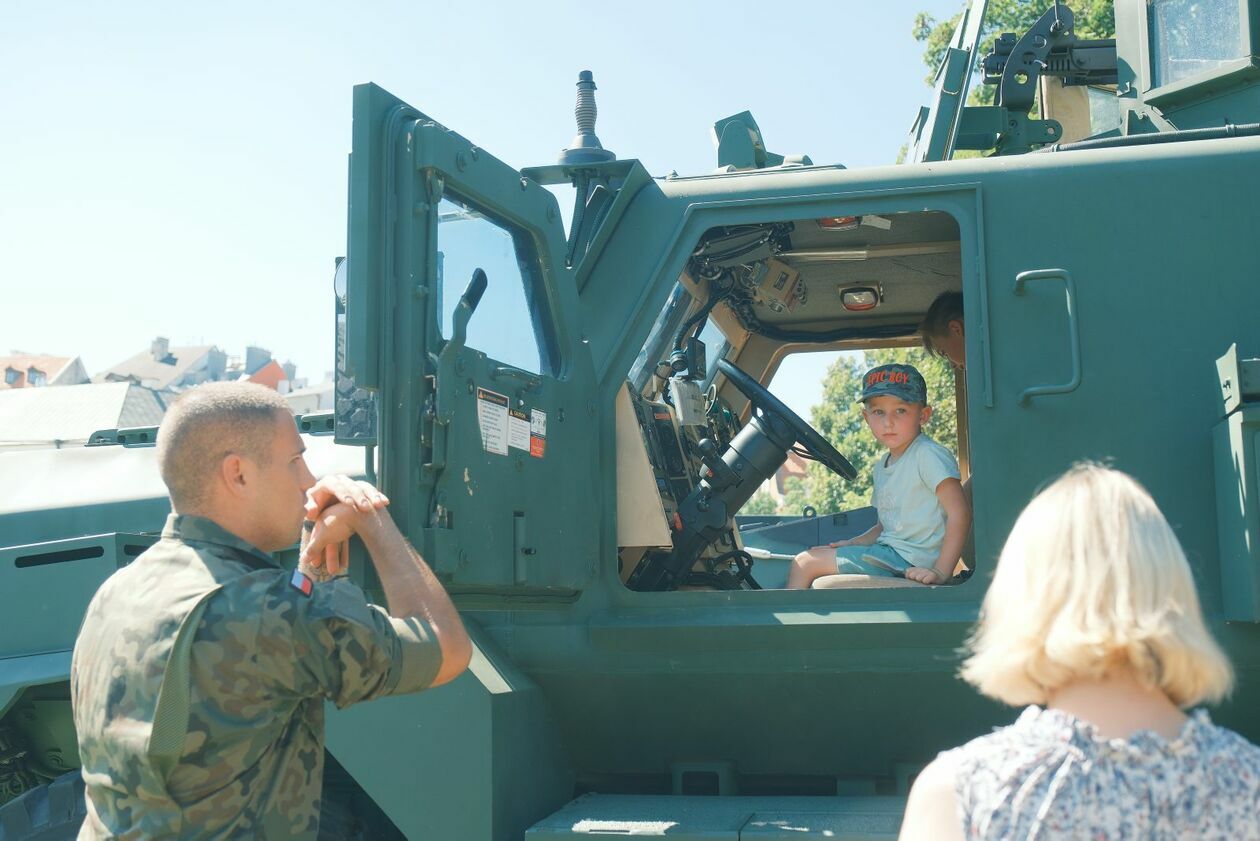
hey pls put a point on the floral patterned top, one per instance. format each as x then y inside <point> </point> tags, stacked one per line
<point>1050,776</point>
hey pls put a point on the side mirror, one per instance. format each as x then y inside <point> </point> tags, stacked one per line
<point>354,408</point>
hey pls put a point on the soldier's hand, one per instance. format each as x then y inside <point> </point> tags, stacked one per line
<point>325,552</point>
<point>335,489</point>
<point>338,507</point>
<point>334,561</point>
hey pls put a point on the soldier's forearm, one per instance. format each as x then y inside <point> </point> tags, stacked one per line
<point>412,589</point>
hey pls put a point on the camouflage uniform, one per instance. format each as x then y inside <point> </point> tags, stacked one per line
<point>258,667</point>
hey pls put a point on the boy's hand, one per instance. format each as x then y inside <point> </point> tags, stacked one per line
<point>926,575</point>
<point>840,543</point>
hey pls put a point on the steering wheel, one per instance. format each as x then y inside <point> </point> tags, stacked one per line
<point>806,435</point>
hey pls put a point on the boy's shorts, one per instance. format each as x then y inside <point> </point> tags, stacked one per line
<point>876,559</point>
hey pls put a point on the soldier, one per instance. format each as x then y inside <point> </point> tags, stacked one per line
<point>200,672</point>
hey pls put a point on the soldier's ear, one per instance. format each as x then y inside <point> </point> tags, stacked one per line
<point>233,473</point>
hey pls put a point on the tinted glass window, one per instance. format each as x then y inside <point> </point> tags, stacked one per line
<point>1104,110</point>
<point>1192,36</point>
<point>511,323</point>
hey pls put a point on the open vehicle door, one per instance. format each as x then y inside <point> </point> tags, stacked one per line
<point>463,316</point>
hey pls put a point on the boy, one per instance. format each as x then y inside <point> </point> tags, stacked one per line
<point>923,517</point>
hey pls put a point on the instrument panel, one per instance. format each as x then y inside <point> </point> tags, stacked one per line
<point>672,449</point>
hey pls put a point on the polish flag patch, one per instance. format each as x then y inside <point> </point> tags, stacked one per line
<point>301,583</point>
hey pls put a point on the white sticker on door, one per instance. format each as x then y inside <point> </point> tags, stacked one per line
<point>518,429</point>
<point>492,417</point>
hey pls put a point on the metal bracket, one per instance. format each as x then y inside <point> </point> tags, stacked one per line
<point>136,436</point>
<point>1049,48</point>
<point>317,423</point>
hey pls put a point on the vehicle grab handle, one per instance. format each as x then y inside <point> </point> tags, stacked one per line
<point>467,306</point>
<point>1074,333</point>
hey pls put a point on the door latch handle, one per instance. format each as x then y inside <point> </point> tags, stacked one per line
<point>1074,333</point>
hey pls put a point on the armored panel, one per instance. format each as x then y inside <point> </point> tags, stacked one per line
<point>1238,512</point>
<point>57,579</point>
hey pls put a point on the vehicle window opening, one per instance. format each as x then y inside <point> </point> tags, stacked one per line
<point>702,502</point>
<point>513,324</point>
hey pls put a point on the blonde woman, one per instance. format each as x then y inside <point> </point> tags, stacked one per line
<point>1092,614</point>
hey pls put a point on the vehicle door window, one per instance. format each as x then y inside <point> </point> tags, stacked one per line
<point>511,324</point>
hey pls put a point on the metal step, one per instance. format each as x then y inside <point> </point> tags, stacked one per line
<point>722,818</point>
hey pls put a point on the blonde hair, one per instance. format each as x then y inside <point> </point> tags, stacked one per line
<point>1091,582</point>
<point>207,423</point>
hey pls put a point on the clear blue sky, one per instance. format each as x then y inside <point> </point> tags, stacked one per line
<point>178,169</point>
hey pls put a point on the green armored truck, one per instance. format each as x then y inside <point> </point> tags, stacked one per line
<point>568,424</point>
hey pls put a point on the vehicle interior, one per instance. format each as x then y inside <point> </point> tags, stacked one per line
<point>698,431</point>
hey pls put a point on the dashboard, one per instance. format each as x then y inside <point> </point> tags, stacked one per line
<point>659,465</point>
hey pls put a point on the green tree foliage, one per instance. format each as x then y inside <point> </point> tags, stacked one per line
<point>761,503</point>
<point>839,418</point>
<point>1094,19</point>
<point>795,497</point>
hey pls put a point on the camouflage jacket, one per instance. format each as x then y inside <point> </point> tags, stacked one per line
<point>259,665</point>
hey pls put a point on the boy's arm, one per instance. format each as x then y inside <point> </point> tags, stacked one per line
<point>866,538</point>
<point>957,521</point>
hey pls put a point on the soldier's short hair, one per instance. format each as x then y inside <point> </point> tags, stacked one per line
<point>947,307</point>
<point>206,424</point>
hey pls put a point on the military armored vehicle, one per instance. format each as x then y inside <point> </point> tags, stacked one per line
<point>568,424</point>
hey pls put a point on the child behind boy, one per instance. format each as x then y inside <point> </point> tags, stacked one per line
<point>923,516</point>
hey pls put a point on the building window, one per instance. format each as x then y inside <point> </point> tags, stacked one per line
<point>36,377</point>
<point>11,376</point>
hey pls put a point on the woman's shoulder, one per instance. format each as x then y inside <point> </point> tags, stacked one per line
<point>1032,730</point>
<point>932,809</point>
<point>1231,753</point>
<point>1039,734</point>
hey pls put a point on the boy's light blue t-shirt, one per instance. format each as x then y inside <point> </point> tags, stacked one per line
<point>905,497</point>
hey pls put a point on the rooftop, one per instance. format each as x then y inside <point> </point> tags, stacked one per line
<point>144,368</point>
<point>23,362</point>
<point>52,417</point>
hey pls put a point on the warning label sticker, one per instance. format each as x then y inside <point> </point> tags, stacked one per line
<point>537,433</point>
<point>518,429</point>
<point>492,417</point>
